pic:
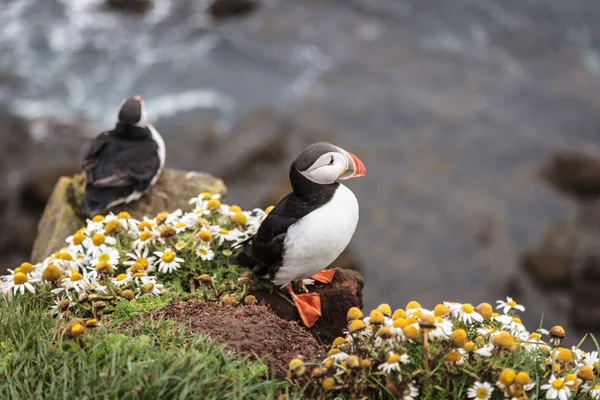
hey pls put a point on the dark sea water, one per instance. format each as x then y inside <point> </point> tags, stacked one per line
<point>452,106</point>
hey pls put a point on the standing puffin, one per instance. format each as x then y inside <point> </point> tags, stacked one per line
<point>310,227</point>
<point>123,164</point>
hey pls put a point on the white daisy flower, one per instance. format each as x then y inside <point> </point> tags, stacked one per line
<point>180,245</point>
<point>65,260</point>
<point>205,253</point>
<point>557,388</point>
<point>410,392</point>
<point>94,226</point>
<point>595,392</point>
<point>508,305</point>
<point>75,242</point>
<point>590,359</point>
<point>106,254</point>
<point>94,243</point>
<point>467,314</point>
<point>512,324</point>
<point>339,357</point>
<point>122,279</point>
<point>150,286</point>
<point>234,235</point>
<point>21,283</point>
<point>168,261</point>
<point>393,363</point>
<point>145,239</point>
<point>486,351</point>
<point>480,391</point>
<point>141,257</point>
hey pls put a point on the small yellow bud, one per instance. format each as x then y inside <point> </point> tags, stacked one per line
<point>354,313</point>
<point>453,356</point>
<point>161,217</point>
<point>385,309</point>
<point>205,278</point>
<point>318,372</point>
<point>104,268</point>
<point>565,356</point>
<point>338,341</point>
<point>507,376</point>
<point>385,332</point>
<point>328,383</point>
<point>91,323</point>
<point>558,332</point>
<point>411,332</point>
<point>167,231</point>
<point>412,304</point>
<point>470,346</point>
<point>98,239</point>
<point>51,273</point>
<point>127,294</point>
<point>205,236</point>
<point>269,209</point>
<point>113,227</point>
<point>239,218</point>
<point>399,313</point>
<point>77,330</point>
<point>98,218</point>
<point>353,362</point>
<point>249,300</point>
<point>485,310</point>
<point>213,204</point>
<point>586,373</point>
<point>400,323</point>
<point>364,363</point>
<point>459,337</point>
<point>356,325</point>
<point>427,321</point>
<point>504,340</point>
<point>124,215</point>
<point>296,367</point>
<point>441,310</point>
<point>522,379</point>
<point>376,318</point>
<point>145,225</point>
<point>228,299</point>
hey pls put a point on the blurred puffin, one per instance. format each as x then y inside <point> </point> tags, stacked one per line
<point>123,164</point>
<point>310,227</point>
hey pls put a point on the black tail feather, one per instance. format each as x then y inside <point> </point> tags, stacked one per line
<point>97,199</point>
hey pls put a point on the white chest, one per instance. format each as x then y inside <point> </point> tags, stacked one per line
<point>161,151</point>
<point>317,239</point>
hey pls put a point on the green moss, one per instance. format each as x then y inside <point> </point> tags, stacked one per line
<point>125,310</point>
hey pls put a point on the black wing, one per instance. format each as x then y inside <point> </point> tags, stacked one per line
<point>129,166</point>
<point>91,158</point>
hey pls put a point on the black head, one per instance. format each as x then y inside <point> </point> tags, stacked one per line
<point>324,163</point>
<point>133,112</point>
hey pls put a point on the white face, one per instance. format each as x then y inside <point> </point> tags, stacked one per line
<point>327,169</point>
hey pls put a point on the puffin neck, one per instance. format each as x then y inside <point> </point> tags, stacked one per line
<point>131,131</point>
<point>307,189</point>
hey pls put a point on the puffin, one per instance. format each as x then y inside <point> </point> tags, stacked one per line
<point>122,164</point>
<point>309,228</point>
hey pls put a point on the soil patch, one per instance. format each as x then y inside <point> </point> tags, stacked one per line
<point>252,330</point>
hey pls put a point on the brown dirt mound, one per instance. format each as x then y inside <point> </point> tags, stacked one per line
<point>252,330</point>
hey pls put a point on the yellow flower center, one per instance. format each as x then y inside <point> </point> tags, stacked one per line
<point>534,336</point>
<point>113,226</point>
<point>511,303</point>
<point>558,384</point>
<point>148,287</point>
<point>139,275</point>
<point>104,258</point>
<point>65,256</point>
<point>213,204</point>
<point>223,231</point>
<point>75,276</point>
<point>205,236</point>
<point>239,218</point>
<point>453,356</point>
<point>145,225</point>
<point>98,218</point>
<point>180,225</point>
<point>124,215</point>
<point>161,217</point>
<point>26,268</point>
<point>51,273</point>
<point>507,376</point>
<point>78,238</point>
<point>394,358</point>
<point>269,209</point>
<point>235,209</point>
<point>413,304</point>
<point>121,277</point>
<point>168,256</point>
<point>441,310</point>
<point>411,332</point>
<point>145,235</point>
<point>206,195</point>
<point>202,252</point>
<point>467,308</point>
<point>517,320</point>
<point>143,262</point>
<point>20,278</point>
<point>482,393</point>
<point>98,239</point>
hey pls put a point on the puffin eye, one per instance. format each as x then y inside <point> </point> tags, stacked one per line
<point>331,161</point>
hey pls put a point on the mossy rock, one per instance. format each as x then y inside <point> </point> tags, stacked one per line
<point>63,214</point>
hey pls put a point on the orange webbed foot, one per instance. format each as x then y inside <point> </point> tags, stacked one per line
<point>325,276</point>
<point>308,305</point>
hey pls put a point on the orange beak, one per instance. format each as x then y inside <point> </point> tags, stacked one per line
<point>138,98</point>
<point>355,169</point>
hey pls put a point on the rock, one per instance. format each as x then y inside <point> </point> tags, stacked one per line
<point>585,311</point>
<point>222,9</point>
<point>574,173</point>
<point>130,6</point>
<point>336,299</point>
<point>63,213</point>
<point>250,330</point>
